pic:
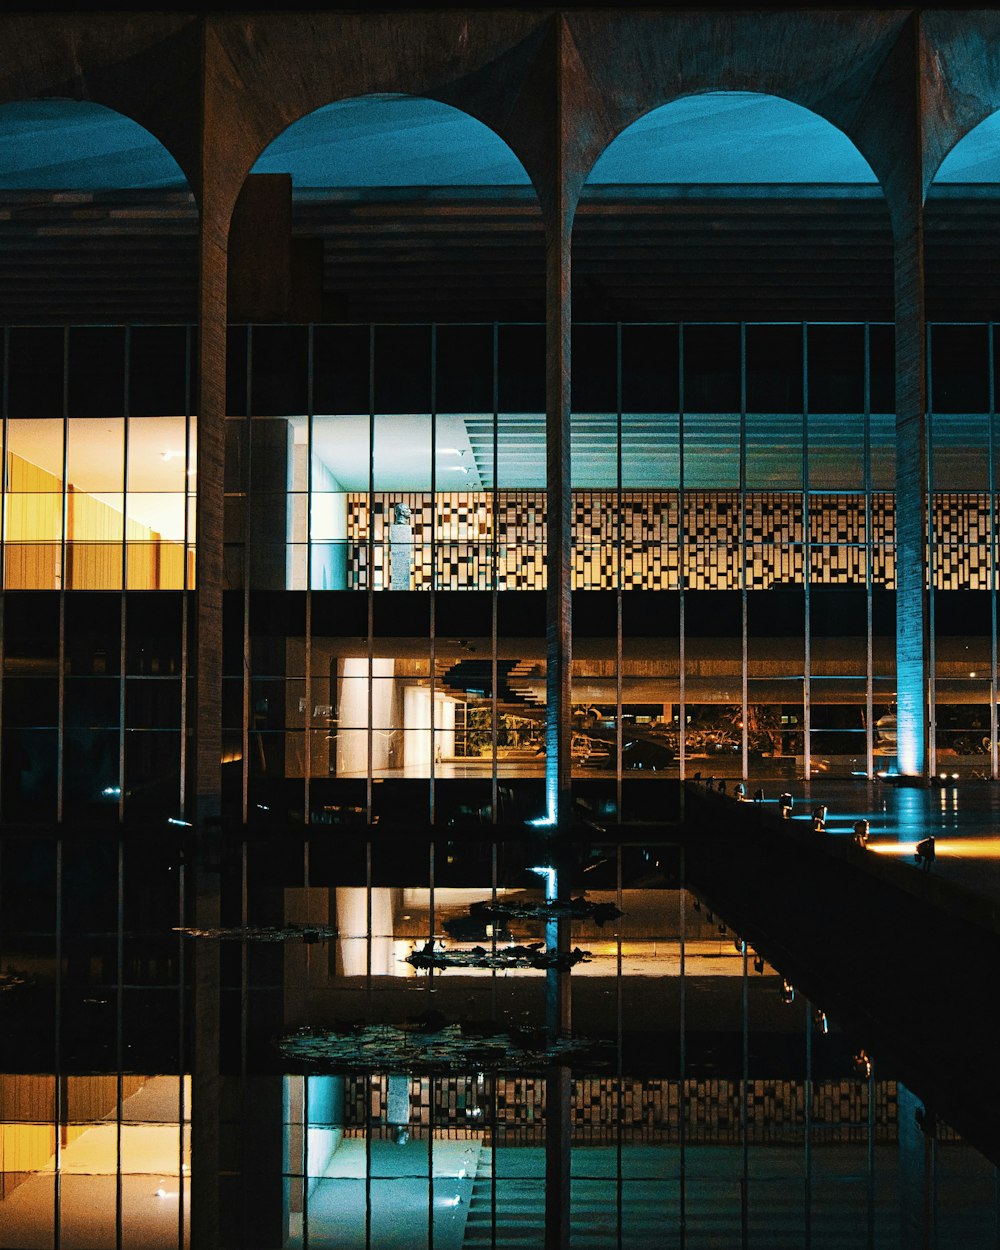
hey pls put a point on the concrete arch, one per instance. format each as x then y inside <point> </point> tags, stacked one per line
<point>632,63</point>
<point>479,64</point>
<point>960,69</point>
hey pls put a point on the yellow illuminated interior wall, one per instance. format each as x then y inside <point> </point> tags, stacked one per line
<point>33,537</point>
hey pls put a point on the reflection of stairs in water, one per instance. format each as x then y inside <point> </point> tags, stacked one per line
<point>651,1212</point>
<point>520,1211</point>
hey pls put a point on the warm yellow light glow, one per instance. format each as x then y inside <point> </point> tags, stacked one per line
<point>974,848</point>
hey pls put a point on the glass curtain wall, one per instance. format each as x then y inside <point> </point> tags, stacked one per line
<point>733,563</point>
<point>394,477</point>
<point>99,490</point>
<point>711,464</point>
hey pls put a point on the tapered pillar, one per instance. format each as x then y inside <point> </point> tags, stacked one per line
<point>558,213</point>
<point>205,810</point>
<point>559,505</point>
<point>912,609</point>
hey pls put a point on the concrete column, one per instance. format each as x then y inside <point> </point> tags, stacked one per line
<point>912,609</point>
<point>558,1141</point>
<point>558,627</point>
<point>558,213</point>
<point>205,810</point>
<point>559,502</point>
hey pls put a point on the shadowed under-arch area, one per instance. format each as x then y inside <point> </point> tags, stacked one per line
<point>100,223</point>
<point>60,144</point>
<point>373,180</point>
<point>391,140</point>
<point>785,217</point>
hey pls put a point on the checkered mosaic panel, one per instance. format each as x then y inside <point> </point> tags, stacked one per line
<point>961,530</point>
<point>649,539</point>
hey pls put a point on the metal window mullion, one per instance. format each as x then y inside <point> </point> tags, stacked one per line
<point>681,557</point>
<point>370,627</point>
<point>744,554</point>
<point>368,1145</point>
<point>368,924</point>
<point>432,642</point>
<point>619,1045</point>
<point>431,865</point>
<point>494,1080</point>
<point>430,1161</point>
<point>682,1059</point>
<point>930,693</point>
<point>247,673</point>
<point>495,593</point>
<point>59,1108</point>
<point>185,601</point>
<point>869,560</point>
<point>305,1159</point>
<point>123,602</point>
<point>4,435</point>
<point>744,1116</point>
<point>806,567</point>
<point>4,418</point>
<point>619,648</point>
<point>307,664</point>
<point>181,1038</point>
<point>61,715</point>
<point>808,1127</point>
<point>119,1041</point>
<point>244,1027</point>
<point>188,492</point>
<point>870,1161</point>
<point>991,482</point>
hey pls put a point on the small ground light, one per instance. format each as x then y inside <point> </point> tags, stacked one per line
<point>862,1063</point>
<point>787,992</point>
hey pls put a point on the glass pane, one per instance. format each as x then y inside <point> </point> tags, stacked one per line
<point>157,451</point>
<point>95,454</point>
<point>34,455</point>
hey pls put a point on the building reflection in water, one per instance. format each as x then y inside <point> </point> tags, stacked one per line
<point>704,1103</point>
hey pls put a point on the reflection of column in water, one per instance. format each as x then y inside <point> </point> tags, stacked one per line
<point>911,814</point>
<point>352,924</point>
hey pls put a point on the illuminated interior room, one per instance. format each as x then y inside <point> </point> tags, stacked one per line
<point>499,729</point>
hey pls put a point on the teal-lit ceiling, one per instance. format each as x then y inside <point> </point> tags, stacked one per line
<point>731,137</point>
<point>57,145</point>
<point>721,137</point>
